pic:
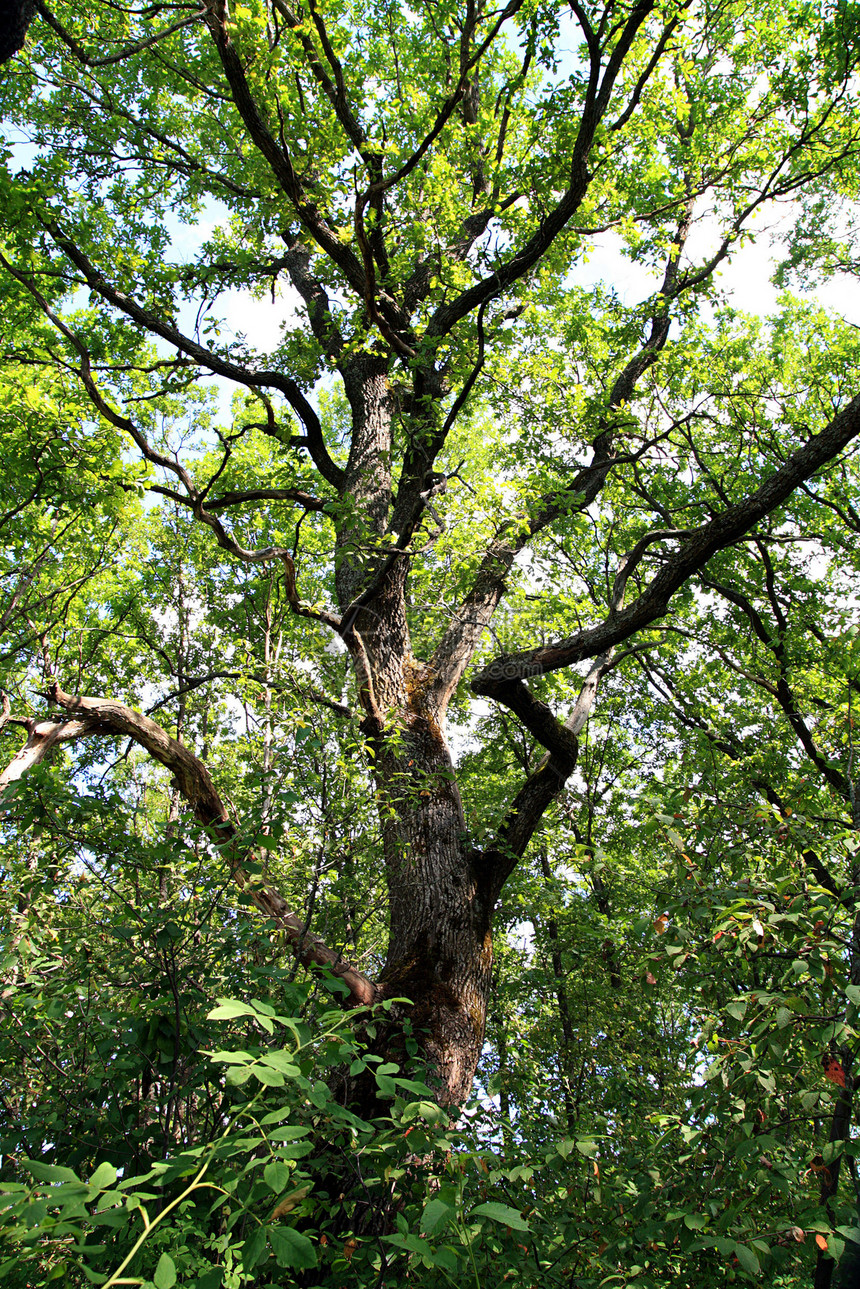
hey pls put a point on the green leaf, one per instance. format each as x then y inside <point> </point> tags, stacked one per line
<point>94,1277</point>
<point>501,1213</point>
<point>210,1279</point>
<point>747,1259</point>
<point>104,1177</point>
<point>283,1061</point>
<point>268,1077</point>
<point>291,1248</point>
<point>113,1217</point>
<point>230,1009</point>
<point>50,1172</point>
<point>436,1212</point>
<point>276,1176</point>
<point>412,1243</point>
<point>164,1276</point>
<point>254,1249</point>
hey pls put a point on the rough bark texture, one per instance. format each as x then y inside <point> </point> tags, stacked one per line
<point>15,18</point>
<point>440,946</point>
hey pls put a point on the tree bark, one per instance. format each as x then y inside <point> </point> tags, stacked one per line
<point>15,18</point>
<point>440,949</point>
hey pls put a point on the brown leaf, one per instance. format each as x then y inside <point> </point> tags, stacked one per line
<point>650,978</point>
<point>833,1070</point>
<point>349,1248</point>
<point>289,1202</point>
<point>821,1242</point>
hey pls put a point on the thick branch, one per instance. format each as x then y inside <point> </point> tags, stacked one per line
<point>335,91</point>
<point>139,45</point>
<point>296,495</point>
<point>523,260</point>
<point>205,357</point>
<point>42,738</point>
<point>274,153</point>
<point>15,18</point>
<point>325,329</point>
<point>105,716</point>
<point>692,556</point>
<point>543,786</point>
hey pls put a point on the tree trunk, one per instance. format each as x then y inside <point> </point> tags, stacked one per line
<point>440,949</point>
<point>439,954</point>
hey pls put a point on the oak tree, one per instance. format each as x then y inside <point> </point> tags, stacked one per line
<point>461,466</point>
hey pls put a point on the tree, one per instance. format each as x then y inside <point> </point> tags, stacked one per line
<point>459,463</point>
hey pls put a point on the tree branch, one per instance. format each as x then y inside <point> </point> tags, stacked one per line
<point>274,154</point>
<point>79,52</point>
<point>692,556</point>
<point>520,263</point>
<point>529,805</point>
<point>89,716</point>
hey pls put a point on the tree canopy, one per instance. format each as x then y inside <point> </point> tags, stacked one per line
<point>452,674</point>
